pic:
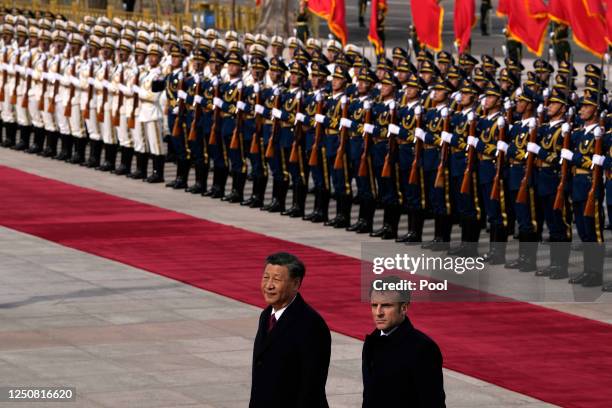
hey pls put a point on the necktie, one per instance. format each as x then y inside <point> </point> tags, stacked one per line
<point>271,322</point>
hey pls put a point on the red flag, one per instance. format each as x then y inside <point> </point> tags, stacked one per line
<point>465,19</point>
<point>377,6</point>
<point>609,21</point>
<point>589,30</point>
<point>427,16</point>
<point>333,11</point>
<point>527,22</point>
<point>596,8</point>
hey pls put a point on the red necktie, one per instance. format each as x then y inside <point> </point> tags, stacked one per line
<point>271,322</point>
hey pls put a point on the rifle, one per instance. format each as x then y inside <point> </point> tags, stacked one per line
<point>45,83</point>
<point>413,179</point>
<point>471,156</point>
<point>439,183</point>
<point>131,123</point>
<point>560,196</point>
<point>386,171</point>
<point>100,113</point>
<point>26,98</point>
<point>117,115</point>
<point>314,153</point>
<point>235,141</point>
<point>367,141</point>
<point>298,133</point>
<point>214,129</point>
<point>68,108</point>
<point>275,126</point>
<point>90,90</point>
<point>13,100</point>
<point>258,122</point>
<point>341,153</point>
<point>197,112</point>
<point>4,74</point>
<point>496,189</point>
<point>56,83</point>
<point>176,128</point>
<point>521,196</point>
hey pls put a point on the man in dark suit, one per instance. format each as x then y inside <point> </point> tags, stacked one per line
<point>293,343</point>
<point>401,366</point>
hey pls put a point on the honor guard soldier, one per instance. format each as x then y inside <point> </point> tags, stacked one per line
<point>150,113</point>
<point>430,135</point>
<point>548,179</point>
<point>466,204</point>
<point>586,156</point>
<point>72,98</point>
<point>104,104</point>
<point>315,149</point>
<point>409,110</point>
<point>9,51</point>
<point>333,108</point>
<point>559,37</point>
<point>520,179</point>
<point>253,131</point>
<point>467,63</point>
<point>88,101</point>
<point>119,119</point>
<point>33,95</point>
<point>22,58</point>
<point>444,61</point>
<point>301,30</point>
<point>485,144</point>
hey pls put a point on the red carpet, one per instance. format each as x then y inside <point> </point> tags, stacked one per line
<point>552,356</point>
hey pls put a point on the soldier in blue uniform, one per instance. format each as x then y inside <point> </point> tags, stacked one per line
<point>413,195</point>
<point>175,94</point>
<point>583,159</point>
<point>485,143</point>
<point>547,178</point>
<point>320,172</point>
<point>252,125</point>
<point>430,134</point>
<point>330,120</point>
<point>467,206</point>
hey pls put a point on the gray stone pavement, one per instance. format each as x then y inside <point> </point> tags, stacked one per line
<point>129,338</point>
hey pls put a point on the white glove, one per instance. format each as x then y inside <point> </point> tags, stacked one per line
<point>256,87</point>
<point>300,117</point>
<point>565,128</point>
<point>419,134</point>
<point>346,123</point>
<point>277,113</point>
<point>418,110</point>
<point>90,81</point>
<point>29,71</point>
<point>518,92</point>
<point>570,111</point>
<point>319,97</point>
<point>215,82</point>
<point>218,102</point>
<point>175,110</point>
<point>181,94</point>
<point>472,141</point>
<point>483,101</point>
<point>597,131</point>
<point>471,116</point>
<point>394,129</point>
<point>136,89</point>
<point>444,112</point>
<point>368,128</point>
<point>598,159</point>
<point>502,146</point>
<point>241,106</point>
<point>567,154</point>
<point>197,100</point>
<point>105,83</point>
<point>507,104</point>
<point>531,123</point>
<point>501,122</point>
<point>259,109</point>
<point>446,137</point>
<point>458,97</point>
<point>142,94</point>
<point>367,105</point>
<point>74,81</point>
<point>533,148</point>
<point>540,108</point>
<point>319,118</point>
<point>545,94</point>
<point>343,100</point>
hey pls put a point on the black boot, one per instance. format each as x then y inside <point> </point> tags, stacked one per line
<point>51,148</point>
<point>197,187</point>
<point>594,261</point>
<point>237,193</point>
<point>259,191</point>
<point>368,216</point>
<point>416,219</point>
<point>110,158</point>
<point>232,193</point>
<point>95,153</point>
<point>179,181</point>
<point>361,217</point>
<point>323,214</point>
<point>11,134</point>
<point>39,140</point>
<point>317,204</point>
<point>281,197</point>
<point>459,250</point>
<point>24,138</point>
<point>79,151</point>
<point>559,259</point>
<point>343,211</point>
<point>158,169</point>
<point>439,243</point>
<point>394,217</point>
<point>215,183</point>
<point>125,168</point>
<point>381,231</point>
<point>222,181</point>
<point>298,201</point>
<point>274,202</point>
<point>531,253</point>
<point>142,162</point>
<point>66,152</point>
<point>497,245</point>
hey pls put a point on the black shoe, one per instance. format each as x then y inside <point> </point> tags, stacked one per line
<point>356,226</point>
<point>546,271</point>
<point>409,238</point>
<point>516,264</point>
<point>196,188</point>
<point>577,280</point>
<point>318,218</point>
<point>431,244</point>
<point>379,233</point>
<point>557,273</point>
<point>256,203</point>
<point>271,204</point>
<point>341,222</point>
<point>332,222</point>
<point>607,287</point>
<point>594,279</point>
<point>440,245</point>
<point>248,201</point>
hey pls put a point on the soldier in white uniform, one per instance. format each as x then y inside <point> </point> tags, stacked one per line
<point>51,83</point>
<point>23,61</point>
<point>71,101</point>
<point>88,100</point>
<point>104,104</point>
<point>150,112</point>
<point>122,69</point>
<point>35,95</point>
<point>8,83</point>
